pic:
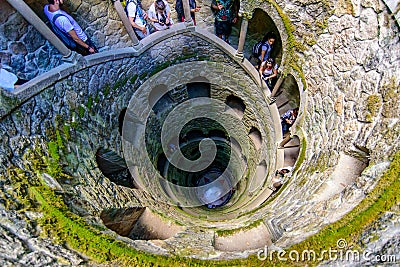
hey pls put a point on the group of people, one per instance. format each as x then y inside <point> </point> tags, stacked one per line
<point>157,18</point>
<point>268,70</point>
<point>69,31</point>
<point>266,65</point>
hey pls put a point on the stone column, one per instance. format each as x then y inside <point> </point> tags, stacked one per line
<point>39,25</point>
<point>277,85</point>
<point>243,32</point>
<point>186,11</point>
<point>124,18</point>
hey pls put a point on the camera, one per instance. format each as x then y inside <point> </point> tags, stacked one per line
<point>163,20</point>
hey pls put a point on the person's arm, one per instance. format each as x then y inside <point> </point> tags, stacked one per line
<point>134,25</point>
<point>216,6</point>
<point>274,74</point>
<point>262,54</point>
<point>168,11</point>
<point>152,16</point>
<point>193,6</point>
<point>261,70</point>
<point>79,41</point>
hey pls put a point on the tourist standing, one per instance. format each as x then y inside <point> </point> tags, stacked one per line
<point>137,17</point>
<point>67,29</point>
<point>160,14</point>
<point>226,13</point>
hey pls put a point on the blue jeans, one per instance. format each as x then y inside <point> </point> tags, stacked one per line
<point>140,34</point>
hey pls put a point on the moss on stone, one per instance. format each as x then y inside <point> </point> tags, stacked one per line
<point>106,90</point>
<point>67,132</point>
<point>120,83</point>
<point>237,230</point>
<point>81,111</point>
<point>292,43</point>
<point>62,225</point>
<point>53,167</point>
<point>89,102</point>
<point>134,78</point>
<point>374,104</point>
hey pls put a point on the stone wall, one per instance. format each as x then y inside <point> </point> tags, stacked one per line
<point>349,104</point>
<point>81,115</point>
<point>25,52</point>
<point>350,71</point>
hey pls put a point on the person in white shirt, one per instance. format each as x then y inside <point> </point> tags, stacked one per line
<point>269,71</point>
<point>160,14</point>
<point>137,17</point>
<point>68,25</point>
<point>9,80</point>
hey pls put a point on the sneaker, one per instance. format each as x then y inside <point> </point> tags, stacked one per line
<point>272,100</point>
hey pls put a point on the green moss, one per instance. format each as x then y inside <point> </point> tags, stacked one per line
<point>60,142</point>
<point>143,75</point>
<point>237,230</point>
<point>120,83</point>
<point>292,43</point>
<point>311,41</point>
<point>300,72</point>
<point>374,104</point>
<point>97,98</point>
<point>67,132</point>
<point>106,90</point>
<point>81,111</point>
<point>302,154</point>
<point>53,167</point>
<point>134,78</point>
<point>382,198</point>
<point>65,227</point>
<point>89,102</point>
<point>160,67</point>
<point>16,197</point>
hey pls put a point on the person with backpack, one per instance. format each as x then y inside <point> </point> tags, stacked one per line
<point>262,49</point>
<point>67,29</point>
<point>269,72</point>
<point>138,18</point>
<point>288,118</point>
<point>180,13</point>
<point>226,14</point>
<point>160,14</point>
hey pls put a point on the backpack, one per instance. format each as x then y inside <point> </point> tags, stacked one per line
<point>137,4</point>
<point>256,51</point>
<point>65,37</point>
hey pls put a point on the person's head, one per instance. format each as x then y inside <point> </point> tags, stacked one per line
<point>160,5</point>
<point>269,63</point>
<point>270,37</point>
<point>53,2</point>
<point>271,41</point>
<point>296,111</point>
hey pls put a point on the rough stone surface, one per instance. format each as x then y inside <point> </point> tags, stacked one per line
<point>350,104</point>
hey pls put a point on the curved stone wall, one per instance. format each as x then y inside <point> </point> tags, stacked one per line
<point>84,118</point>
<point>348,124</point>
